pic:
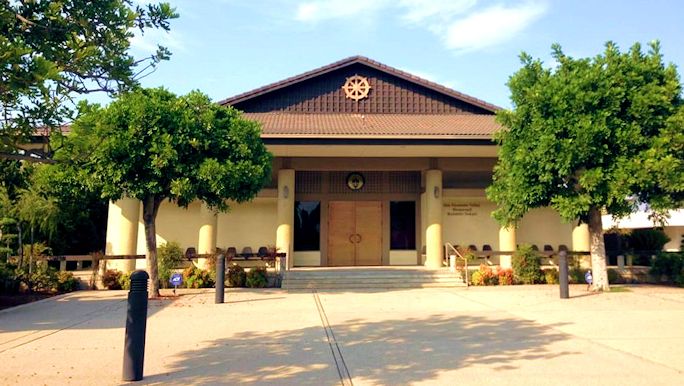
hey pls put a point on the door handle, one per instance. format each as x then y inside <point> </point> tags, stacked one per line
<point>355,238</point>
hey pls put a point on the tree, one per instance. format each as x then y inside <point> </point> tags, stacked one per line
<point>155,146</point>
<point>15,176</point>
<point>38,211</point>
<point>53,50</point>
<point>591,136</point>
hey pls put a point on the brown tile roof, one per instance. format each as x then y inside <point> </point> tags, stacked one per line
<point>369,62</point>
<point>457,126</point>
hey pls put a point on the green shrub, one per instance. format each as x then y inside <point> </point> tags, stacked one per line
<point>112,279</point>
<point>647,239</point>
<point>576,275</point>
<point>39,250</point>
<point>170,256</point>
<point>551,276</point>
<point>41,279</point>
<point>476,278</point>
<point>125,281</point>
<point>526,265</point>
<point>194,277</point>
<point>66,282</point>
<point>236,276</point>
<point>680,278</point>
<point>614,277</point>
<point>257,277</point>
<point>505,276</point>
<point>669,265</point>
<point>9,282</point>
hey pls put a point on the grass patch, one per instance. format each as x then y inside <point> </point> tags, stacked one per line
<point>619,289</point>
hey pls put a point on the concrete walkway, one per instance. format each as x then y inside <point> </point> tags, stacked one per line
<point>521,335</point>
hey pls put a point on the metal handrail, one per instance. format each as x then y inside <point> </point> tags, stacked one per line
<point>448,246</point>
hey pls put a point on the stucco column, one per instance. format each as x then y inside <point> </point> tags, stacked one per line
<point>284,233</point>
<point>507,243</point>
<point>581,241</point>
<point>433,232</point>
<point>423,226</point>
<point>580,238</point>
<point>206,242</point>
<point>122,232</point>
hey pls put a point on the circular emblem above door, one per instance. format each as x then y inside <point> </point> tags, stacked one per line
<point>356,87</point>
<point>355,181</point>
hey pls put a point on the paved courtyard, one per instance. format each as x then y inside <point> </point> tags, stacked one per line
<point>522,335</point>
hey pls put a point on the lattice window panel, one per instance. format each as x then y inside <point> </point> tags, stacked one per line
<point>404,182</point>
<point>308,182</point>
<point>373,183</point>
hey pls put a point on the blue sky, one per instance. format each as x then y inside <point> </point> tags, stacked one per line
<point>226,47</point>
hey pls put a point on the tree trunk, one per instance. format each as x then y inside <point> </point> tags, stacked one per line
<point>21,245</point>
<point>150,209</point>
<point>31,254</point>
<point>598,251</point>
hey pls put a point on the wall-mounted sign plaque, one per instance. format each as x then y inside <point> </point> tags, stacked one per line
<point>355,181</point>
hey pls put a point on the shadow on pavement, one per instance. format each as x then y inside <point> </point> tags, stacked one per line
<point>73,311</point>
<point>386,352</point>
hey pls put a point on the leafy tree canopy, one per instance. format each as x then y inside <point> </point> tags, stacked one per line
<point>153,145</point>
<point>603,132</point>
<point>52,50</point>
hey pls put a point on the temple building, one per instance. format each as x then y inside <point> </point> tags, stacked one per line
<point>372,167</point>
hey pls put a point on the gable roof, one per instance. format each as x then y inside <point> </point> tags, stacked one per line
<point>370,63</point>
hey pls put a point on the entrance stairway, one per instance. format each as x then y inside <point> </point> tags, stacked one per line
<point>370,277</point>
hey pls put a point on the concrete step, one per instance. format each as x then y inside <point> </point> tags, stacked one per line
<point>374,279</point>
<point>295,286</point>
<point>370,278</point>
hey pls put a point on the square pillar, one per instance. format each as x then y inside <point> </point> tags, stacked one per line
<point>507,243</point>
<point>122,232</point>
<point>434,246</point>
<point>286,201</point>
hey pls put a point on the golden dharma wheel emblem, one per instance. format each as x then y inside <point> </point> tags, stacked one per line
<point>356,87</point>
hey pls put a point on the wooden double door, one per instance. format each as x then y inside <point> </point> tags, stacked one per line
<point>354,233</point>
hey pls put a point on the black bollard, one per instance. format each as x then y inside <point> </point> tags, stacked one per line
<point>136,323</point>
<point>220,277</point>
<point>563,274</point>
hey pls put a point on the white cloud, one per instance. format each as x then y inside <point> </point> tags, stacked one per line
<point>417,11</point>
<point>144,44</point>
<point>421,74</point>
<point>491,26</point>
<point>315,11</point>
<point>460,24</point>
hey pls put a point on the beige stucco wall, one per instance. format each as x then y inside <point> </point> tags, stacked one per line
<point>397,257</point>
<point>307,258</point>
<point>468,220</point>
<point>544,226</point>
<point>675,234</point>
<point>173,224</point>
<point>250,224</point>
